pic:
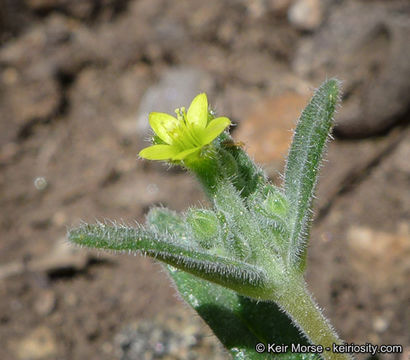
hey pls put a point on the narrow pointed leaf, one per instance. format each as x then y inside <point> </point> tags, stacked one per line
<point>165,221</point>
<point>228,272</point>
<point>303,164</point>
<point>239,322</point>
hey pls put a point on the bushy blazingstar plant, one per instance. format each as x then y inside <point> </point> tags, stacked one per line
<point>240,265</point>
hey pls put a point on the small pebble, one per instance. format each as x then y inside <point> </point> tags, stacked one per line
<point>45,303</point>
<point>306,14</point>
<point>40,183</point>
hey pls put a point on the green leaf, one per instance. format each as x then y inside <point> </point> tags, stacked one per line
<point>239,322</point>
<point>166,221</point>
<point>231,273</point>
<point>303,164</point>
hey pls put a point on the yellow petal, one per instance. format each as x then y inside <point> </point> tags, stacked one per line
<point>214,128</point>
<point>184,154</point>
<point>163,124</point>
<point>197,115</point>
<point>159,152</point>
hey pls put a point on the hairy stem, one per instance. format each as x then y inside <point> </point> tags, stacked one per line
<point>302,308</point>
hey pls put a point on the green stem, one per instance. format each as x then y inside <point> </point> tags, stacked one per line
<point>207,172</point>
<point>299,304</point>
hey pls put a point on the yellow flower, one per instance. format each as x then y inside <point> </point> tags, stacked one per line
<point>185,135</point>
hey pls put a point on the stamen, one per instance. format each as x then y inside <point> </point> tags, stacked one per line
<point>179,114</point>
<point>183,113</point>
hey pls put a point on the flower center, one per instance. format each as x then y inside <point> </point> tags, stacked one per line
<point>183,135</point>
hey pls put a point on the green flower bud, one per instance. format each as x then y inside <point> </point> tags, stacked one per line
<point>204,226</point>
<point>275,203</point>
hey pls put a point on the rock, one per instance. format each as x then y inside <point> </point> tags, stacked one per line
<point>267,131</point>
<point>253,69</point>
<point>256,9</point>
<point>62,257</point>
<point>60,218</point>
<point>24,100</point>
<point>42,4</point>
<point>35,49</point>
<point>406,353</point>
<point>13,18</point>
<point>386,254</point>
<point>175,335</point>
<point>371,54</point>
<point>127,41</point>
<point>91,326</point>
<point>174,190</point>
<point>82,9</point>
<point>380,324</point>
<point>169,35</point>
<point>71,299</point>
<point>400,161</point>
<point>236,102</point>
<point>39,344</point>
<point>111,98</point>
<point>285,81</point>
<point>279,7</point>
<point>45,303</point>
<point>8,152</point>
<point>56,48</point>
<point>31,90</point>
<point>339,174</point>
<point>176,87</point>
<point>10,269</point>
<point>306,14</point>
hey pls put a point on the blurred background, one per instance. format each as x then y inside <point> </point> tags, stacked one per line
<point>77,81</point>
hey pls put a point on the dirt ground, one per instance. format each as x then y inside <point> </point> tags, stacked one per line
<point>75,79</point>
